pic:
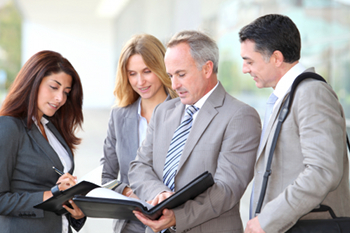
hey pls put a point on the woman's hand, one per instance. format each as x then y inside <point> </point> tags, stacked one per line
<point>75,212</point>
<point>66,181</point>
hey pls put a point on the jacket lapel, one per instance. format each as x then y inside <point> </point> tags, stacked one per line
<point>203,119</point>
<point>130,127</point>
<point>273,119</point>
<point>38,138</point>
<point>268,129</point>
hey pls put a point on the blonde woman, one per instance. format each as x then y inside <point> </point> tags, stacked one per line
<point>141,84</point>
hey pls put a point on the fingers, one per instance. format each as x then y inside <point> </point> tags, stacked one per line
<point>75,211</point>
<point>66,181</point>
<point>161,197</point>
<point>165,221</point>
<point>132,194</point>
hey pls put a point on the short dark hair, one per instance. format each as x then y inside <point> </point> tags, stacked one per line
<point>274,32</point>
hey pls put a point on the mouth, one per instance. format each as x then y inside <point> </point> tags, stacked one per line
<point>181,93</point>
<point>144,89</point>
<point>55,106</point>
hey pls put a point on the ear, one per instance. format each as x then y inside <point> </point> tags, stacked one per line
<point>208,69</point>
<point>277,58</point>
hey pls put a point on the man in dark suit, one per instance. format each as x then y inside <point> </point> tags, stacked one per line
<point>222,138</point>
<point>310,164</point>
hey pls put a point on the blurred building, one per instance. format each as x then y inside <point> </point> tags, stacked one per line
<point>91,33</point>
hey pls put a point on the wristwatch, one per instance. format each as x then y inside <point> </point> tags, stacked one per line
<point>55,190</point>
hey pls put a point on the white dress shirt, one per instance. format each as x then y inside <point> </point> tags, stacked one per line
<point>286,82</point>
<point>63,156</point>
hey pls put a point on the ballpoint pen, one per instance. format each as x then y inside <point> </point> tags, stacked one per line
<point>57,171</point>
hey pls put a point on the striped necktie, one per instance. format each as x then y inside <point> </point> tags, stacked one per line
<point>176,147</point>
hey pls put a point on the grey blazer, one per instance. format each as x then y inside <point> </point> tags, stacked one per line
<point>26,161</point>
<point>223,140</point>
<point>310,163</point>
<point>120,147</point>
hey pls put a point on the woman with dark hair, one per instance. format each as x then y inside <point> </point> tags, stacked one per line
<point>38,120</point>
<point>141,84</point>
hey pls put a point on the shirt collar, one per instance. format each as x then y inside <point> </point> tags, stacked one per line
<point>287,80</point>
<point>199,104</point>
<point>139,108</point>
<point>43,120</point>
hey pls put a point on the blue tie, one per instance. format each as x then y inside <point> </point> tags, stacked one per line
<point>176,147</point>
<point>268,111</point>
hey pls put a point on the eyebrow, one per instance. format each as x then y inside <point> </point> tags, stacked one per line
<point>61,84</point>
<point>246,58</point>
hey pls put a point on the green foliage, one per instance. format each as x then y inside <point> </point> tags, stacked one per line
<point>10,41</point>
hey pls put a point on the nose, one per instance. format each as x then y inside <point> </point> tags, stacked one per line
<point>175,83</point>
<point>60,96</point>
<point>245,68</point>
<point>140,80</point>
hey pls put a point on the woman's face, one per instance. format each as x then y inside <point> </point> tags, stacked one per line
<point>141,78</point>
<point>53,92</point>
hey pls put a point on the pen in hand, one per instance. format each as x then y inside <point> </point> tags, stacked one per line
<point>57,171</point>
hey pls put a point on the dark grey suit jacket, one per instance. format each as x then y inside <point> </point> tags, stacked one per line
<point>223,140</point>
<point>26,161</point>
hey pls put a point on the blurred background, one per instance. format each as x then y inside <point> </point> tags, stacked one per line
<point>91,33</point>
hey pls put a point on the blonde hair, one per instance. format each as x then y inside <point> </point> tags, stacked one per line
<point>152,52</point>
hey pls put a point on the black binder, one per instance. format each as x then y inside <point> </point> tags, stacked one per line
<point>54,204</point>
<point>123,209</point>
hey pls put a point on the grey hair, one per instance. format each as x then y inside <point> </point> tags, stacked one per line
<point>202,47</point>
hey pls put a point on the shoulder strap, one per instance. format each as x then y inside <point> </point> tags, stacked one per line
<point>281,117</point>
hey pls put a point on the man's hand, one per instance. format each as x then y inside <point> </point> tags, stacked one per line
<point>129,193</point>
<point>160,197</point>
<point>253,226</point>
<point>164,222</point>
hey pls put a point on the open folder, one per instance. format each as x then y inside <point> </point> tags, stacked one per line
<point>118,206</point>
<point>54,203</point>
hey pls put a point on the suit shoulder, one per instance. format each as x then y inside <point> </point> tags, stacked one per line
<point>10,125</point>
<point>168,104</point>
<point>123,111</point>
<point>238,106</point>
<point>311,87</point>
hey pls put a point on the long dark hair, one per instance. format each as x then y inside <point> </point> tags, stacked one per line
<point>22,99</point>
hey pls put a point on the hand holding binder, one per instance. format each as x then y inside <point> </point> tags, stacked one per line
<point>54,203</point>
<point>117,206</point>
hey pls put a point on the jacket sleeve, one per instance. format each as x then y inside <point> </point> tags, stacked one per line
<point>19,204</point>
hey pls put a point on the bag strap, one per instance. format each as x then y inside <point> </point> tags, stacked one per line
<point>281,117</point>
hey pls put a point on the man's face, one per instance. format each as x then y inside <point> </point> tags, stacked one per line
<point>264,72</point>
<point>189,82</point>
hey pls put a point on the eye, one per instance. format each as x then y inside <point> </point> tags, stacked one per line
<point>182,75</point>
<point>52,87</point>
<point>147,71</point>
<point>132,73</point>
<point>67,93</point>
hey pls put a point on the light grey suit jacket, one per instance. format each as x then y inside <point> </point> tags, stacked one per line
<point>120,147</point>
<point>310,163</point>
<point>26,161</point>
<point>223,140</point>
